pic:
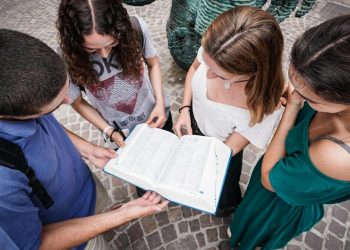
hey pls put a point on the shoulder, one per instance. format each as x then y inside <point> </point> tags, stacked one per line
<point>143,24</point>
<point>331,159</point>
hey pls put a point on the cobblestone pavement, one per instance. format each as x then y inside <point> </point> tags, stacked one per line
<point>178,227</point>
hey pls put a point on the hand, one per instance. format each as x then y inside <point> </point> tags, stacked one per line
<point>149,203</point>
<point>183,122</point>
<point>294,99</point>
<point>157,117</point>
<point>118,139</point>
<point>99,156</point>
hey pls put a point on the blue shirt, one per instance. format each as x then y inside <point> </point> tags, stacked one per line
<point>60,169</point>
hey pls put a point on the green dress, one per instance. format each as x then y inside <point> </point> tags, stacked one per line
<point>272,219</point>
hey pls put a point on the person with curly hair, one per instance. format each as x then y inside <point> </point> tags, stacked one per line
<point>105,60</point>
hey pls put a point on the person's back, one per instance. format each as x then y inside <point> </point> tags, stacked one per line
<point>47,149</point>
<point>55,155</point>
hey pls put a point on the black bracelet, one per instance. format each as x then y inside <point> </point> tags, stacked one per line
<point>186,106</point>
<point>110,137</point>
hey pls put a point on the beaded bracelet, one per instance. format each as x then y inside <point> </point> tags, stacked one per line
<point>186,106</point>
<point>104,133</point>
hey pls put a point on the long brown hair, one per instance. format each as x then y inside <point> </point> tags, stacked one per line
<point>77,18</point>
<point>248,41</point>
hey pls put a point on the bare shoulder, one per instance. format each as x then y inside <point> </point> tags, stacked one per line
<point>331,159</point>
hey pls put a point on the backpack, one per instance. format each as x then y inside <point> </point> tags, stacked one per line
<point>11,156</point>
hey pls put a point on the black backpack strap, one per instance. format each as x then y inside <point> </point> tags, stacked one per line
<point>11,156</point>
<point>137,27</point>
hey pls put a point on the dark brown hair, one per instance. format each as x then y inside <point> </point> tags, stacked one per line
<point>322,57</point>
<point>248,41</point>
<point>77,18</point>
<point>31,74</point>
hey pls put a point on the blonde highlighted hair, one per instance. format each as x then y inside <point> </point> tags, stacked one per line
<point>248,41</point>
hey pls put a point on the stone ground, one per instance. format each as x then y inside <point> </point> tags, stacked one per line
<point>178,227</point>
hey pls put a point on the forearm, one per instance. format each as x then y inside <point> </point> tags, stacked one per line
<point>83,146</point>
<point>276,150</point>
<point>90,114</point>
<point>156,81</point>
<point>236,143</point>
<point>187,99</point>
<point>71,233</point>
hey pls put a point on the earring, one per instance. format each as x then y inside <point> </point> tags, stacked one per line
<point>227,85</point>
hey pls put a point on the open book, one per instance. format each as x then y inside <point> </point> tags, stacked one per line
<point>190,170</point>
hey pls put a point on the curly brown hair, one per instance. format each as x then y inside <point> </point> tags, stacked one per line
<point>78,18</point>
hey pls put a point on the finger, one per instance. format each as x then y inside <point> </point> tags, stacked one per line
<point>157,199</point>
<point>162,205</point>
<point>177,130</point>
<point>150,119</point>
<point>109,153</point>
<point>152,196</point>
<point>189,129</point>
<point>146,195</point>
<point>118,139</point>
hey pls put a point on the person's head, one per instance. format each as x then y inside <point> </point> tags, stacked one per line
<point>320,65</point>
<point>246,43</point>
<point>97,26</point>
<point>33,79</point>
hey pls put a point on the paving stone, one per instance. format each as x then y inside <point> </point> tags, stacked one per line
<point>188,243</point>
<point>212,234</point>
<point>168,233</point>
<point>154,240</point>
<point>313,241</point>
<point>195,212</point>
<point>120,193</point>
<point>293,247</point>
<point>200,239</point>
<point>175,214</point>
<point>224,245</point>
<point>194,225</point>
<point>332,243</point>
<point>186,212</point>
<point>216,220</point>
<point>162,218</point>
<point>135,232</point>
<point>347,245</point>
<point>205,220</point>
<point>122,241</point>
<point>149,224</point>
<point>337,229</point>
<point>183,226</point>
<point>108,236</point>
<point>321,226</point>
<point>140,245</point>
<point>223,233</point>
<point>173,246</point>
<point>340,214</point>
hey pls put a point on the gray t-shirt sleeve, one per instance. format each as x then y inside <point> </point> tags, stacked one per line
<point>149,49</point>
<point>74,91</point>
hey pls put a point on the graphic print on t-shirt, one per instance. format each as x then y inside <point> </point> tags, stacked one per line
<point>118,92</point>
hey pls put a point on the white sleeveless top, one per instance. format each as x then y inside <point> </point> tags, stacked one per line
<point>221,120</point>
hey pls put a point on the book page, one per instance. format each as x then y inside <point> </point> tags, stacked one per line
<point>187,164</point>
<point>197,172</point>
<point>146,154</point>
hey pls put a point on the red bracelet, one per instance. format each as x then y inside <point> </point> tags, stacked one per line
<point>186,106</point>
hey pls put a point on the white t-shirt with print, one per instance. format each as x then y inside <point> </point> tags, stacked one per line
<point>221,120</point>
<point>117,97</point>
